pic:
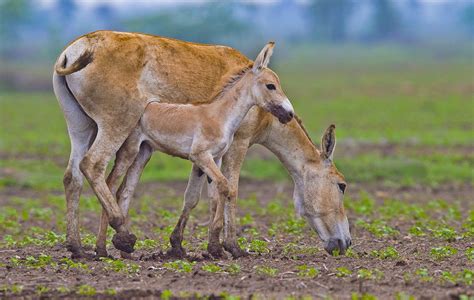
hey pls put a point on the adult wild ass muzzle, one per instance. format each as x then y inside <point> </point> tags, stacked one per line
<point>337,239</point>
<point>283,112</point>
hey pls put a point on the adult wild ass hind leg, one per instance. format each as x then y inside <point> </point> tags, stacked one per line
<point>124,159</point>
<point>93,166</point>
<point>210,167</point>
<point>231,165</point>
<point>82,131</point>
<point>191,199</point>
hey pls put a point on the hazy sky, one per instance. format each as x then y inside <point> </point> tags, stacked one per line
<point>89,3</point>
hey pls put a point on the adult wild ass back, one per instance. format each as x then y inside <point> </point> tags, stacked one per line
<point>103,81</point>
<point>203,133</point>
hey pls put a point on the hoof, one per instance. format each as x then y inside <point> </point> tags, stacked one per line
<point>235,250</point>
<point>124,241</point>
<point>176,252</point>
<point>216,251</point>
<point>101,253</point>
<point>126,255</point>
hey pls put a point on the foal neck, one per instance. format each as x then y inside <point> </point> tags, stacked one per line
<point>235,102</point>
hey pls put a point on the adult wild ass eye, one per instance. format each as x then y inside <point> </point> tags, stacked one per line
<point>342,187</point>
<point>271,86</point>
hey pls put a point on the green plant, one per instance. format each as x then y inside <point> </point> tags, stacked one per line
<point>363,296</point>
<point>86,290</point>
<point>41,289</point>
<point>63,290</point>
<point>470,253</point>
<point>447,276</point>
<point>266,270</point>
<point>110,291</point>
<point>117,265</point>
<point>166,294</point>
<point>378,228</point>
<point>211,268</point>
<point>67,263</point>
<point>423,274</point>
<point>180,266</point>
<point>445,233</point>
<point>388,252</point>
<point>233,269</point>
<point>306,271</point>
<point>467,276</point>
<point>343,272</point>
<point>440,253</point>
<point>259,246</point>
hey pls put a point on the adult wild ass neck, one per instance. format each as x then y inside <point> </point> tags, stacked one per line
<point>104,96</point>
<point>203,133</point>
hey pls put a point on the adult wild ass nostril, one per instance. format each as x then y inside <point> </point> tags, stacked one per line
<point>336,244</point>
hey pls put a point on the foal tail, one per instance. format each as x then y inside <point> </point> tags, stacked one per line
<point>83,60</point>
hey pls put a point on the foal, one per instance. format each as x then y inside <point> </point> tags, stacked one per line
<point>203,133</point>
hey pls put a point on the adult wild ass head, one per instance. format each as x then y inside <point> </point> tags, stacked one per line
<point>322,203</point>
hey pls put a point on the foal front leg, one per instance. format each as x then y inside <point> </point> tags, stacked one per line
<point>210,167</point>
<point>191,199</point>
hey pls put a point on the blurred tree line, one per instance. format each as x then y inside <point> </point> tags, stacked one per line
<point>30,29</point>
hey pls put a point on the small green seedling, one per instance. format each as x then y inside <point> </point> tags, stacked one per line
<point>233,269</point>
<point>307,272</point>
<point>386,253</point>
<point>266,270</point>
<point>343,272</point>
<point>166,295</point>
<point>117,265</point>
<point>470,253</point>
<point>423,274</point>
<point>86,290</point>
<point>180,266</point>
<point>440,253</point>
<point>211,268</point>
<point>259,246</point>
<point>63,290</point>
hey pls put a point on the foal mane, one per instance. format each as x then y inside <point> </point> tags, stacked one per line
<point>229,81</point>
<point>300,122</point>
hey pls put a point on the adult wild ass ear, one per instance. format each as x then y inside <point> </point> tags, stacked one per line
<point>328,143</point>
<point>263,57</point>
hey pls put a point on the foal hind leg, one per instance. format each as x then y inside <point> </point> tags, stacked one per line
<point>93,166</point>
<point>211,168</point>
<point>191,199</point>
<point>130,182</point>
<point>124,158</point>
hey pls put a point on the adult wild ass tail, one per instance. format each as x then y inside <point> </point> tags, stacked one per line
<point>83,60</point>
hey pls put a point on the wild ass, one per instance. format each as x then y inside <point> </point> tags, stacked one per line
<point>104,80</point>
<point>203,133</point>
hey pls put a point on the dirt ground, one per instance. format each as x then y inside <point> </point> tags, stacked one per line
<point>153,278</point>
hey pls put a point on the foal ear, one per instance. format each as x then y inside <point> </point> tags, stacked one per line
<point>328,142</point>
<point>263,57</point>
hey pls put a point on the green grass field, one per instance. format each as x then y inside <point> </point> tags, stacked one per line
<point>405,128</point>
<point>416,104</point>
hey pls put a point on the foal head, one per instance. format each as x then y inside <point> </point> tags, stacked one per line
<point>323,206</point>
<point>266,89</point>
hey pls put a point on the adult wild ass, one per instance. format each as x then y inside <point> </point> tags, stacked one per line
<point>203,133</point>
<point>104,80</point>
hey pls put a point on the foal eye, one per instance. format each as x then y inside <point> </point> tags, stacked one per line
<point>271,86</point>
<point>342,187</point>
